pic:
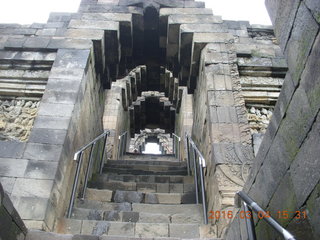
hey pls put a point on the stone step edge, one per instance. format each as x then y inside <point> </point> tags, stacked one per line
<point>117,213</point>
<point>129,229</point>
<point>41,235</point>
<point>140,187</point>
<point>136,196</point>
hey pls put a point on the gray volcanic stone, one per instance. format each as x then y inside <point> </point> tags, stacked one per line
<point>128,196</point>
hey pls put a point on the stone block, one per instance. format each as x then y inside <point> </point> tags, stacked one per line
<point>47,136</point>
<point>221,98</point>
<point>297,51</point>
<point>303,169</point>
<point>130,216</point>
<point>284,199</point>
<point>313,6</point>
<point>32,207</point>
<point>185,218</point>
<point>283,15</point>
<point>111,216</point>
<point>87,214</point>
<point>12,149</point>
<point>184,230</point>
<point>61,123</point>
<point>36,42</point>
<point>162,187</point>
<point>313,208</point>
<point>310,77</point>
<point>40,235</point>
<point>97,228</point>
<point>172,198</point>
<point>60,110</point>
<point>41,170</point>
<point>151,230</point>
<point>128,196</point>
<point>7,184</point>
<point>121,229</point>
<point>99,195</point>
<point>63,85</point>
<point>45,152</point>
<point>153,218</point>
<point>40,188</point>
<point>85,237</point>
<point>68,226</point>
<point>68,43</point>
<point>12,167</point>
<point>14,42</point>
<point>176,188</point>
<point>70,58</point>
<point>59,97</point>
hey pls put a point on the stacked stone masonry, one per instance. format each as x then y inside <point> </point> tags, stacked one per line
<point>284,176</point>
<point>99,68</point>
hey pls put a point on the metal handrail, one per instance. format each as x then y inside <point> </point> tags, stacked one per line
<point>250,205</point>
<point>198,168</point>
<point>176,145</point>
<point>78,156</point>
<point>122,146</point>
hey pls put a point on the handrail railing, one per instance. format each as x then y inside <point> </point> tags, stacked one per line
<point>176,145</point>
<point>250,205</point>
<point>78,156</point>
<point>197,168</point>
<point>122,146</point>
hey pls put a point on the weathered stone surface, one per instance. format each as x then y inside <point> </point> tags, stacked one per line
<point>127,196</point>
<point>11,149</point>
<point>151,230</point>
<point>32,188</point>
<point>121,229</point>
<point>45,152</point>
<point>297,52</point>
<point>303,169</point>
<point>41,170</point>
<point>13,167</point>
<point>184,230</point>
<point>153,218</point>
<point>99,195</point>
<point>97,228</point>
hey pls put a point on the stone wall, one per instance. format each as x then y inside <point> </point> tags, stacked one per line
<point>116,117</point>
<point>184,119</point>
<point>35,173</point>
<point>12,227</point>
<point>285,177</point>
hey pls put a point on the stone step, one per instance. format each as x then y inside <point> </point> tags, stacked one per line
<point>145,166</point>
<point>189,209</point>
<point>131,216</point>
<point>144,178</point>
<point>40,235</point>
<point>181,171</point>
<point>128,229</point>
<point>148,157</point>
<point>147,163</point>
<point>120,196</point>
<point>142,186</point>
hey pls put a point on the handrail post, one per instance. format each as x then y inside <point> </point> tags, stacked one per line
<point>203,194</point>
<point>188,154</point>
<point>119,147</point>
<point>178,149</point>
<point>103,151</point>
<point>75,184</point>
<point>249,223</point>
<point>87,171</point>
<point>195,176</point>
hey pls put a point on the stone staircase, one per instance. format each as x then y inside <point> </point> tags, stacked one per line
<point>136,199</point>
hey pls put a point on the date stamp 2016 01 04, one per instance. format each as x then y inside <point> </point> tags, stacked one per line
<point>260,215</point>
